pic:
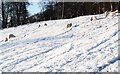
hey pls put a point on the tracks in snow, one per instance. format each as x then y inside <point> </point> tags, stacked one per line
<point>59,51</point>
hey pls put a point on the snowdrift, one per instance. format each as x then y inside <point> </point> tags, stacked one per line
<point>86,46</point>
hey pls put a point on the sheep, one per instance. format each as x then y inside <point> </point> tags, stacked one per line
<point>45,24</point>
<point>38,26</point>
<point>11,36</point>
<point>116,11</point>
<point>6,39</point>
<point>110,13</point>
<point>69,25</point>
<point>93,18</point>
<point>106,13</point>
<point>99,26</point>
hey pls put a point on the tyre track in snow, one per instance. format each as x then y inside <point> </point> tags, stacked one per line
<point>47,58</point>
<point>98,34</point>
<point>84,57</point>
<point>94,29</point>
<point>17,61</point>
<point>103,41</point>
<point>57,55</point>
<point>52,57</point>
<point>109,63</point>
<point>20,60</point>
<point>81,57</point>
<point>16,54</point>
<point>14,41</point>
<point>29,50</point>
<point>100,49</point>
<point>13,64</point>
<point>63,64</point>
<point>30,41</point>
<point>88,53</point>
<point>21,52</point>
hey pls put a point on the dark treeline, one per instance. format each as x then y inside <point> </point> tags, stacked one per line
<point>15,13</point>
<point>65,10</point>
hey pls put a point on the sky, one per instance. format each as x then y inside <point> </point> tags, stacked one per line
<point>33,8</point>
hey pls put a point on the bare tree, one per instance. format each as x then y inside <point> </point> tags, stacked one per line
<point>99,8</point>
<point>3,15</point>
<point>62,10</point>
<point>111,5</point>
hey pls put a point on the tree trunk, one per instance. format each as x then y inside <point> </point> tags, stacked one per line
<point>111,5</point>
<point>63,10</point>
<point>3,16</point>
<point>17,13</point>
<point>25,16</point>
<point>104,4</point>
<point>119,7</point>
<point>99,7</point>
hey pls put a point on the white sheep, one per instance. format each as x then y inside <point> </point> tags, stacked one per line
<point>10,36</point>
<point>106,13</point>
<point>93,18</point>
<point>111,13</point>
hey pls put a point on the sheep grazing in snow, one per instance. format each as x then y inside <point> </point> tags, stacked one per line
<point>45,24</point>
<point>110,13</point>
<point>11,36</point>
<point>106,13</point>
<point>93,18</point>
<point>69,25</point>
<point>38,26</point>
<point>6,39</point>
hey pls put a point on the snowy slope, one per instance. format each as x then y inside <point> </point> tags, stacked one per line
<point>90,46</point>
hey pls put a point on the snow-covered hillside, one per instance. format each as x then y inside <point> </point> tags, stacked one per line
<point>90,46</point>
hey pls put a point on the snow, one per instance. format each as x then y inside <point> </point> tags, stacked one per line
<point>87,46</point>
